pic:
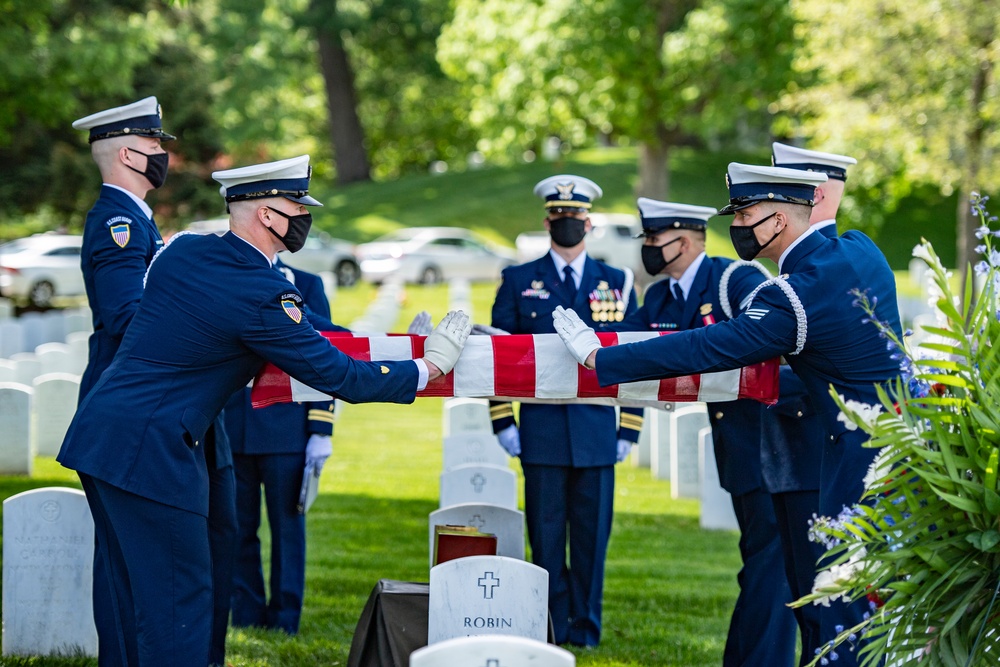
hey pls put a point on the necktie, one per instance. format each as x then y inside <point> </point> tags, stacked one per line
<point>569,282</point>
<point>678,294</point>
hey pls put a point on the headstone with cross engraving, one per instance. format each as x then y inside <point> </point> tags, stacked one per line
<point>487,595</point>
<point>48,557</point>
<point>473,448</point>
<point>492,651</point>
<point>507,524</point>
<point>479,484</point>
<point>466,415</point>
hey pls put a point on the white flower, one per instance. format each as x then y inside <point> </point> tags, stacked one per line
<point>863,412</point>
<point>833,583</point>
<point>922,251</point>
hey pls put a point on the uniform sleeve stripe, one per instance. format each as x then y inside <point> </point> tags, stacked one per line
<point>631,419</point>
<point>321,416</point>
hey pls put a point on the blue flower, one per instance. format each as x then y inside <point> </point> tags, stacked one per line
<point>980,249</point>
<point>982,232</point>
<point>981,268</point>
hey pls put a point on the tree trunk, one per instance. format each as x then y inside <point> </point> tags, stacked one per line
<point>967,222</point>
<point>346,133</point>
<point>654,175</point>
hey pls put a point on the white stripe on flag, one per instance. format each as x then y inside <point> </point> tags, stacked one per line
<point>646,390</point>
<point>555,368</point>
<point>303,392</point>
<point>391,348</point>
<point>718,387</point>
<point>474,370</point>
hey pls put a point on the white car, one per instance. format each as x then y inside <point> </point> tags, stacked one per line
<point>432,254</point>
<point>320,253</point>
<point>611,240</point>
<point>36,269</point>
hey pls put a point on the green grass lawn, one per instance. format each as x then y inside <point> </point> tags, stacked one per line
<point>669,586</point>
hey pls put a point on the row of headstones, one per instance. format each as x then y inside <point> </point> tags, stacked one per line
<point>34,419</point>
<point>382,313</point>
<point>482,595</point>
<point>27,332</point>
<point>7,310</point>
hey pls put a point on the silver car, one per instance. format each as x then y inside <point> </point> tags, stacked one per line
<point>432,254</point>
<point>321,252</point>
<point>36,269</point>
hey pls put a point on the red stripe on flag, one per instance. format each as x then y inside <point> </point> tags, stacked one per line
<point>683,388</point>
<point>586,379</point>
<point>760,382</point>
<point>514,365</point>
<point>442,386</point>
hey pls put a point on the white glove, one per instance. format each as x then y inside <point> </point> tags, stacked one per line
<point>421,324</point>
<point>578,337</point>
<point>486,330</point>
<point>444,345</point>
<point>624,449</point>
<point>510,440</point>
<point>318,450</point>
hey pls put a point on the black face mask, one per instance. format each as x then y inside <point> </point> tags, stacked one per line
<point>652,258</point>
<point>567,232</point>
<point>156,167</point>
<point>298,230</point>
<point>745,240</point>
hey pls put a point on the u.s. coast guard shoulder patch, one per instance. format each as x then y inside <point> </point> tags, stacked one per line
<point>291,303</point>
<point>120,229</point>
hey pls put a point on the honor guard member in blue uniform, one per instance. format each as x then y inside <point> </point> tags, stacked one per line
<point>568,452</point>
<point>270,449</point>
<point>213,311</point>
<point>792,433</point>
<point>699,292</point>
<point>120,239</point>
<point>804,314</point>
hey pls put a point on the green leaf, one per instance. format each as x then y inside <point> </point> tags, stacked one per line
<point>992,500</point>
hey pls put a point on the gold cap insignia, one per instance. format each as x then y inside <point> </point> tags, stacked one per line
<point>565,190</point>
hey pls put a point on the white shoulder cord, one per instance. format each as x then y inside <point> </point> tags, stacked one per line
<point>801,325</point>
<point>162,248</point>
<point>724,282</point>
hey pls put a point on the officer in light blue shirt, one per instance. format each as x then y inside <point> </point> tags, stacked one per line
<point>804,314</point>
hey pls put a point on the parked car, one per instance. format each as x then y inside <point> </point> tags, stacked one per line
<point>37,269</point>
<point>432,254</point>
<point>321,252</point>
<point>611,240</point>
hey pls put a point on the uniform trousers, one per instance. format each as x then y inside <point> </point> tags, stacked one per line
<point>222,544</point>
<point>163,620</point>
<point>794,510</point>
<point>580,500</point>
<point>760,634</point>
<point>281,477</point>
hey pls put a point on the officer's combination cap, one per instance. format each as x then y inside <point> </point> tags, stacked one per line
<point>792,157</point>
<point>140,119</point>
<point>568,191</point>
<point>284,178</point>
<point>657,216</point>
<point>749,184</point>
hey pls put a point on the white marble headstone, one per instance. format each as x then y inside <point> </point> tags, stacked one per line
<point>460,296</point>
<point>487,595</point>
<point>507,524</point>
<point>491,485</point>
<point>48,557</point>
<point>685,423</point>
<point>78,320</point>
<point>52,410</point>
<point>79,345</point>
<point>11,338</point>
<point>492,651</point>
<point>53,327</point>
<point>6,309</point>
<point>8,371</point>
<point>466,415</point>
<point>643,449</point>
<point>15,420</point>
<point>480,448</point>
<point>55,358</point>
<point>659,442</point>
<point>716,503</point>
<point>26,367</point>
<point>33,330</point>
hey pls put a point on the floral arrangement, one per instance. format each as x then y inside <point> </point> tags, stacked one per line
<point>923,545</point>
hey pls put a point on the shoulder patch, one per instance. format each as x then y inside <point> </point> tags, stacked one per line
<point>291,303</point>
<point>121,231</point>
